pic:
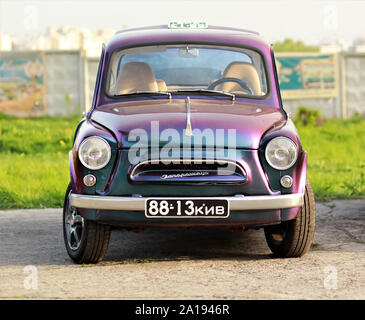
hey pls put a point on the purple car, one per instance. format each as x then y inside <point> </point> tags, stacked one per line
<point>187,129</point>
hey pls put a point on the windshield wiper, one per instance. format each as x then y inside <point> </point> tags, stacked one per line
<point>210,92</point>
<point>152,93</point>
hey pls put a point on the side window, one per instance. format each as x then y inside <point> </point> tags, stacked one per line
<point>98,76</point>
<point>113,79</point>
<point>263,76</point>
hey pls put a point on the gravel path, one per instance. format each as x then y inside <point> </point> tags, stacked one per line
<point>192,263</point>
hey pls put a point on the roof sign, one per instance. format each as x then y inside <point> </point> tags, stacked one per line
<point>187,25</point>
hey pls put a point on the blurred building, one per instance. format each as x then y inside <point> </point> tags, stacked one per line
<point>92,41</point>
<point>72,38</point>
<point>61,38</point>
<point>358,45</point>
<point>334,46</point>
<point>330,48</point>
<point>6,42</point>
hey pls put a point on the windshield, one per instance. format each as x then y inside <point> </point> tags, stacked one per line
<point>174,68</point>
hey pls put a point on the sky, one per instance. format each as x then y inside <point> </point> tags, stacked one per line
<point>312,21</point>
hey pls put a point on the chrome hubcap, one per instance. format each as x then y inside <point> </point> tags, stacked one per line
<point>74,225</point>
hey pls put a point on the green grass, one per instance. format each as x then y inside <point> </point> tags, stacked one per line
<point>34,159</point>
<point>336,158</point>
<point>315,247</point>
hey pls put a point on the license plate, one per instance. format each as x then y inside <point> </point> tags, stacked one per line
<point>187,208</point>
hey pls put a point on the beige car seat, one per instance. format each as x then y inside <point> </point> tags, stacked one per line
<point>244,71</point>
<point>136,76</point>
<point>161,85</point>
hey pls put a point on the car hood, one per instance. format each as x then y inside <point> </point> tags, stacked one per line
<point>247,121</point>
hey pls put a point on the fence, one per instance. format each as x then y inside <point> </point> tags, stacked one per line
<point>353,84</point>
<point>61,83</point>
<point>42,83</point>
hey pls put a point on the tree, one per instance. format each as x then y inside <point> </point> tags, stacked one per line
<point>289,45</point>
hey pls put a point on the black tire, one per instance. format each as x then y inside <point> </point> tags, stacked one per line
<point>293,238</point>
<point>94,238</point>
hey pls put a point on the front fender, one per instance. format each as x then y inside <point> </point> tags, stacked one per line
<point>298,171</point>
<point>78,171</point>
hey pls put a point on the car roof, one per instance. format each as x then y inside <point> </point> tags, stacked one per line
<point>209,27</point>
<point>163,34</point>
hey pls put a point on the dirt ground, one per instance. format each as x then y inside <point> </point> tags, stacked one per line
<point>184,263</point>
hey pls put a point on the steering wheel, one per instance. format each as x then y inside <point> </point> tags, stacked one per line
<point>242,84</point>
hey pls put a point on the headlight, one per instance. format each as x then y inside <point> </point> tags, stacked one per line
<point>94,153</point>
<point>281,153</point>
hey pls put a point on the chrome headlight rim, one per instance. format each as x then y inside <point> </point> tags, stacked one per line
<point>281,168</point>
<point>109,154</point>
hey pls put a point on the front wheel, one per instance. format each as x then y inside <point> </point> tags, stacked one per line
<point>293,238</point>
<point>86,241</point>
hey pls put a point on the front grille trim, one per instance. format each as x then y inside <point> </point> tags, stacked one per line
<point>219,162</point>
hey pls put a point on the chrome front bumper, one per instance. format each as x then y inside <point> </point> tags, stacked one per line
<point>235,203</point>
